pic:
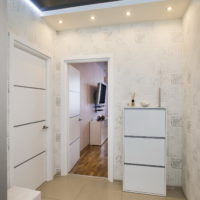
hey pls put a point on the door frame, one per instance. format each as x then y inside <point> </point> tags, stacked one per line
<point>17,42</point>
<point>64,110</point>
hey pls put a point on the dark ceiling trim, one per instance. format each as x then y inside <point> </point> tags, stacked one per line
<point>42,7</point>
<point>37,4</point>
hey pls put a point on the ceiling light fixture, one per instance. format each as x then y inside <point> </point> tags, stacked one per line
<point>93,17</point>
<point>128,13</point>
<point>169,8</point>
<point>60,21</point>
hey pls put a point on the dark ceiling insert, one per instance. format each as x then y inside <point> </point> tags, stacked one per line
<point>46,5</point>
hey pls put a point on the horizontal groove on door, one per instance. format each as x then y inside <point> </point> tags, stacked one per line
<point>35,88</point>
<point>29,123</point>
<point>74,116</point>
<point>29,159</point>
<point>148,137</point>
<point>142,165</point>
<point>74,141</point>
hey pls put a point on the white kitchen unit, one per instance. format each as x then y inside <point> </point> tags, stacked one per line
<point>98,132</point>
<point>144,168</point>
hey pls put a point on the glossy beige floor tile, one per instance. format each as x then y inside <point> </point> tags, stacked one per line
<point>63,188</point>
<point>174,192</point>
<point>75,187</point>
<point>99,190</point>
<point>134,196</point>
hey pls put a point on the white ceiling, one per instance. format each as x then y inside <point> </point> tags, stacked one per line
<point>109,15</point>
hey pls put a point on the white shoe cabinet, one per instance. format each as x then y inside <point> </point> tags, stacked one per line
<point>145,151</point>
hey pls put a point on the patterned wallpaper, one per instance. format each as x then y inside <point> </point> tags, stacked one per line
<point>191,151</point>
<point>146,56</point>
<point>25,22</point>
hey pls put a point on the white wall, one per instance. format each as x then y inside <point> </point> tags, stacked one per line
<point>90,75</point>
<point>191,151</point>
<point>146,56</point>
<point>3,99</point>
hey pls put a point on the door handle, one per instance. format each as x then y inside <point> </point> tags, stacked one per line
<point>45,127</point>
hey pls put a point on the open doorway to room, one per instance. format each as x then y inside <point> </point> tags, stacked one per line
<point>88,119</point>
<point>82,148</point>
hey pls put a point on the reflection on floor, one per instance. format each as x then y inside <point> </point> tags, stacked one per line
<point>93,161</point>
<point>76,187</point>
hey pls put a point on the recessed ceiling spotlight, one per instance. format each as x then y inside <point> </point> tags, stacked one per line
<point>60,21</point>
<point>92,17</point>
<point>169,8</point>
<point>128,13</point>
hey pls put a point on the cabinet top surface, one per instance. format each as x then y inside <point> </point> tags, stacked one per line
<point>146,108</point>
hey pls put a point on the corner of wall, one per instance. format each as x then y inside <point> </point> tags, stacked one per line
<point>191,156</point>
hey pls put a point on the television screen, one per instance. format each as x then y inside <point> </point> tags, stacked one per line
<point>101,94</point>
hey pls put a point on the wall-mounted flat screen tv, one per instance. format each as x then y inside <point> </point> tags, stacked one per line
<point>101,94</point>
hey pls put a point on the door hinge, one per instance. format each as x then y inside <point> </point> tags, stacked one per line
<point>8,144</point>
<point>8,87</point>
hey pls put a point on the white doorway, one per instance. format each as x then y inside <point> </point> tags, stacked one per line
<point>65,124</point>
<point>29,112</point>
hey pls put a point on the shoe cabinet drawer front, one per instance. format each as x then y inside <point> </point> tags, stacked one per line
<point>142,179</point>
<point>144,122</point>
<point>145,151</point>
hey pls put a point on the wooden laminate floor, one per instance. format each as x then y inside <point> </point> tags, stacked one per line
<point>93,161</point>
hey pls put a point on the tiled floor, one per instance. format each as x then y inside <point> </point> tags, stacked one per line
<point>76,187</point>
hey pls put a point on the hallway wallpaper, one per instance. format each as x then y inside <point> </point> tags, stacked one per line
<point>146,56</point>
<point>27,24</point>
<point>191,151</point>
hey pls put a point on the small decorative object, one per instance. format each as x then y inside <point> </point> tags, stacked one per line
<point>133,100</point>
<point>144,104</point>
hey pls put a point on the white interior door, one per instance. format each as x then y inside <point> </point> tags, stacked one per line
<point>74,116</point>
<point>27,100</point>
